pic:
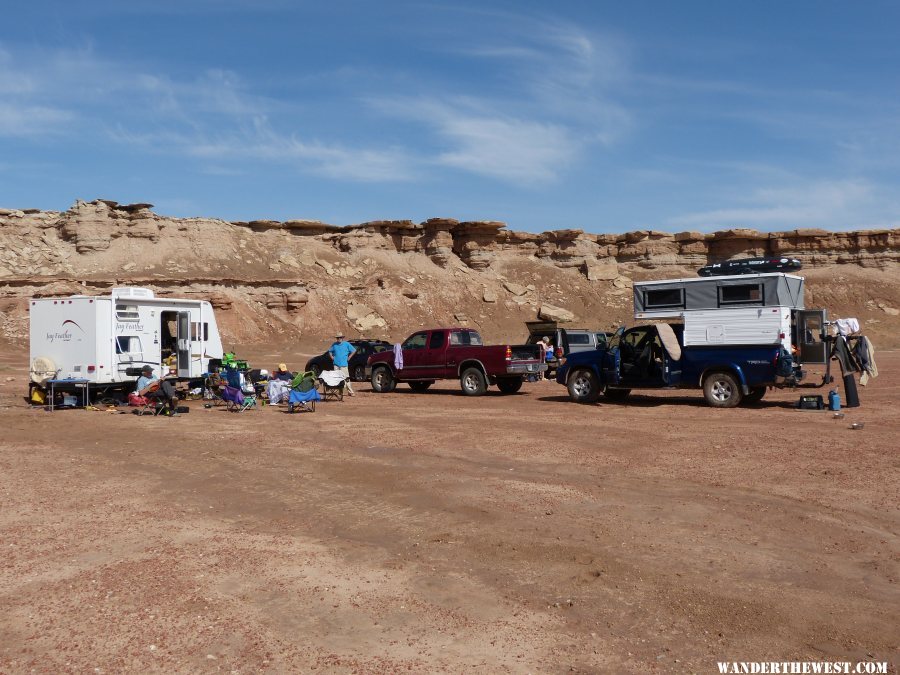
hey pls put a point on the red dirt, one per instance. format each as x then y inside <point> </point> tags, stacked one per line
<point>434,532</point>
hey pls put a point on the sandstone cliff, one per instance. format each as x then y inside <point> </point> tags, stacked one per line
<point>303,279</point>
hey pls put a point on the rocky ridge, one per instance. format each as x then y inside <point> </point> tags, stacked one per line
<point>305,279</point>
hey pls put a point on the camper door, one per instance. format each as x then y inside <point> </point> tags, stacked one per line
<point>810,325</point>
<point>183,343</point>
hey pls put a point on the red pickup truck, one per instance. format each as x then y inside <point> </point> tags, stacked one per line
<point>451,353</point>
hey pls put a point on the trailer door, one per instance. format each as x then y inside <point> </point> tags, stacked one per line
<point>811,336</point>
<point>184,344</point>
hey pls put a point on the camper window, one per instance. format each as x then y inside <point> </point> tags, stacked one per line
<point>579,338</point>
<point>741,294</point>
<point>128,344</point>
<point>127,313</point>
<point>666,297</point>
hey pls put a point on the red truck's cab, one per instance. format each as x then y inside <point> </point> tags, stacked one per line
<point>454,353</point>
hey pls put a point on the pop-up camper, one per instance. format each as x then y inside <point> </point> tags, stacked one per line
<point>106,340</point>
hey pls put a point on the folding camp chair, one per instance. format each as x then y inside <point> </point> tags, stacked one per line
<point>233,393</point>
<point>332,385</point>
<point>304,393</point>
<point>212,389</point>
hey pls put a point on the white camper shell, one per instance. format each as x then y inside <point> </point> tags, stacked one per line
<point>749,309</point>
<point>106,340</point>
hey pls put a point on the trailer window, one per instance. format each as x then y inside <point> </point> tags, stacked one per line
<point>666,297</point>
<point>741,294</point>
<point>579,338</point>
<point>128,344</point>
<point>127,313</point>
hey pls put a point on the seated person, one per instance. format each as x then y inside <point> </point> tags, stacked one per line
<point>283,373</point>
<point>150,386</point>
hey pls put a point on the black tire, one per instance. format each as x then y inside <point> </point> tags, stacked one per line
<point>509,385</point>
<point>721,390</point>
<point>755,396</point>
<point>420,385</point>
<point>616,394</point>
<point>473,382</point>
<point>383,380</point>
<point>583,386</point>
<point>359,373</point>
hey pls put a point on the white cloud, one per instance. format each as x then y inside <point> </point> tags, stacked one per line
<point>835,203</point>
<point>30,120</point>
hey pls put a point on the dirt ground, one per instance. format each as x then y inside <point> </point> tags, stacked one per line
<point>438,533</point>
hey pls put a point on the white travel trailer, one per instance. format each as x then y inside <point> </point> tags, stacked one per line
<point>106,340</point>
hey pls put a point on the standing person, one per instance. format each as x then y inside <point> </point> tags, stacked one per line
<point>340,353</point>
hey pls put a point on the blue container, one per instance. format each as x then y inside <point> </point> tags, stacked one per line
<point>834,400</point>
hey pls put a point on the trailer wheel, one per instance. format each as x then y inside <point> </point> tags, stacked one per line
<point>755,396</point>
<point>509,385</point>
<point>472,382</point>
<point>722,390</point>
<point>583,386</point>
<point>420,385</point>
<point>383,380</point>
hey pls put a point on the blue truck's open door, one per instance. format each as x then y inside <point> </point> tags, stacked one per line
<point>612,359</point>
<point>671,354</point>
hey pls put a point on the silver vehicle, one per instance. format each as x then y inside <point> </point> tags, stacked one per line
<point>564,341</point>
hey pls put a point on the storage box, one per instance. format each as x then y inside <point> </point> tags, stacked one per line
<point>811,402</point>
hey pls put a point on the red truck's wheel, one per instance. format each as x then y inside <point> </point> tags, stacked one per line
<point>383,380</point>
<point>472,382</point>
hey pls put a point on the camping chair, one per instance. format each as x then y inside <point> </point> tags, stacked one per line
<point>332,385</point>
<point>152,403</point>
<point>304,393</point>
<point>212,388</point>
<point>233,393</point>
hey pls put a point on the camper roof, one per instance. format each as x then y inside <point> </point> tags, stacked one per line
<point>733,277</point>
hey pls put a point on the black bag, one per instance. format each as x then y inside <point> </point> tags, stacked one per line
<point>811,402</point>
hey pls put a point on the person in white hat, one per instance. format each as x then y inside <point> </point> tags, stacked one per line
<point>340,353</point>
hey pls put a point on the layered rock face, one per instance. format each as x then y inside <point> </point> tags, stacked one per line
<point>304,278</point>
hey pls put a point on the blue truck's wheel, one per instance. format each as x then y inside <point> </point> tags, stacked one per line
<point>583,386</point>
<point>722,390</point>
<point>472,382</point>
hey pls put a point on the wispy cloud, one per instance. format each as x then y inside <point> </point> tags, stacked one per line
<point>488,143</point>
<point>29,120</point>
<point>825,203</point>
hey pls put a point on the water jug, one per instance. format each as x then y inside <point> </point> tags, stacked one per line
<point>834,400</point>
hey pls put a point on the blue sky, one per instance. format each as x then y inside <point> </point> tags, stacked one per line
<point>605,116</point>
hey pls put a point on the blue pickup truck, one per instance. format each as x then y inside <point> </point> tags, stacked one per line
<point>653,357</point>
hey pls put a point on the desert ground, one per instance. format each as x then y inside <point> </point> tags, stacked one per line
<point>433,532</point>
